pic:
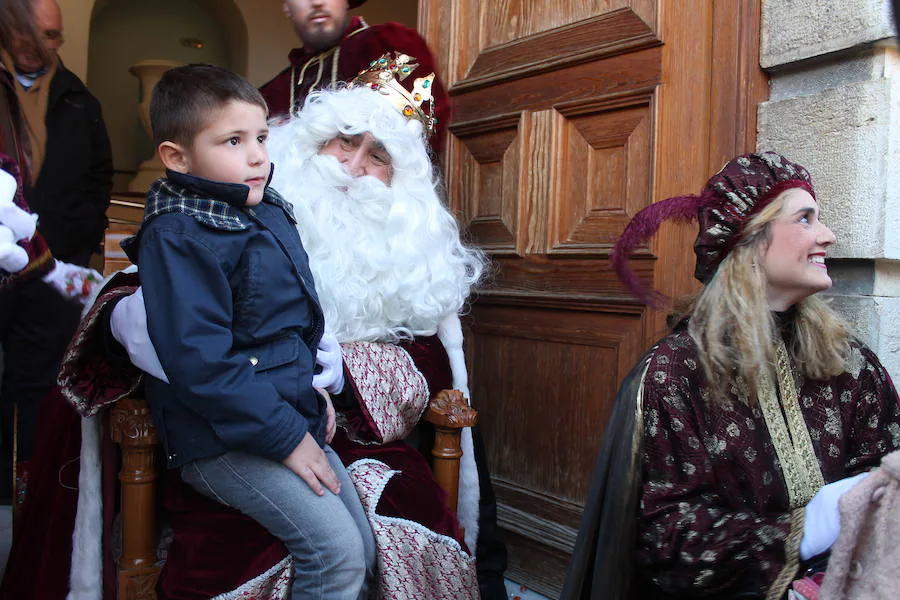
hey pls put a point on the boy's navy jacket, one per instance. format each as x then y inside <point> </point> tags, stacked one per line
<point>233,314</point>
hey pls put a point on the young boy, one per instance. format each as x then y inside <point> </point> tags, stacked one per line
<point>220,259</point>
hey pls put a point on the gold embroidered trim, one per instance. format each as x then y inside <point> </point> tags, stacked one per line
<point>791,557</point>
<point>790,436</point>
<point>295,81</point>
<point>638,435</point>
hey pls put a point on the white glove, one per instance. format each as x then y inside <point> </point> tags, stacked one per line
<point>329,357</point>
<point>15,225</point>
<point>822,522</point>
<point>13,257</point>
<point>72,281</point>
<point>19,221</point>
<point>128,324</point>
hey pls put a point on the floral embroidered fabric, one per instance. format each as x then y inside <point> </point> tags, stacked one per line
<point>413,561</point>
<point>274,584</point>
<point>715,512</point>
<point>392,392</point>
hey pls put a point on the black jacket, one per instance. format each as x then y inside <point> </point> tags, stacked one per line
<point>71,193</point>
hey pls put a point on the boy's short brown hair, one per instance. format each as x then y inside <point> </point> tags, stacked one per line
<point>184,97</point>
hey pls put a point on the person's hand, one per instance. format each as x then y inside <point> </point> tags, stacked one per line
<point>22,223</point>
<point>309,462</point>
<point>330,421</point>
<point>73,281</point>
<point>822,522</point>
<point>13,257</point>
<point>128,324</point>
<point>15,225</point>
<point>328,356</point>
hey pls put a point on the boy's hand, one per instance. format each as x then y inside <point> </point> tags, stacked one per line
<point>330,424</point>
<point>309,462</point>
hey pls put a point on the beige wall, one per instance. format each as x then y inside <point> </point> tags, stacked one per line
<point>269,34</point>
<point>380,11</point>
<point>128,31</point>
<point>257,33</point>
<point>77,22</point>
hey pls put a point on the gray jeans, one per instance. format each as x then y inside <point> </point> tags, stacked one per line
<point>329,536</point>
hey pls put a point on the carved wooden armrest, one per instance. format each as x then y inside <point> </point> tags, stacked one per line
<point>132,428</point>
<point>449,413</point>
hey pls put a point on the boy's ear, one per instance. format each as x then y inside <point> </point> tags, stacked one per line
<point>174,157</point>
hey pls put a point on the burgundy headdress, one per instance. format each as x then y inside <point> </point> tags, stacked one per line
<point>730,199</point>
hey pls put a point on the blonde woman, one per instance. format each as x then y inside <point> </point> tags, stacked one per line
<point>734,436</point>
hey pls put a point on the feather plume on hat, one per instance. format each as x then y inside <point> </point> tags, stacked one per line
<point>728,201</point>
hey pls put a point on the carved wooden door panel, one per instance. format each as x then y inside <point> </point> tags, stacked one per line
<point>568,117</point>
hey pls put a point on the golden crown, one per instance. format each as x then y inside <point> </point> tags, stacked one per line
<point>385,75</point>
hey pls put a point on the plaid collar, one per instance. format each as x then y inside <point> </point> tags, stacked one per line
<point>213,203</point>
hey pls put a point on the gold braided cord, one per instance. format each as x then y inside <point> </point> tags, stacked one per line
<point>295,81</point>
<point>799,431</point>
<point>790,436</point>
<point>791,557</point>
<point>334,65</point>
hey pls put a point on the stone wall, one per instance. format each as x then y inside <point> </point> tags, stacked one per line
<point>834,106</point>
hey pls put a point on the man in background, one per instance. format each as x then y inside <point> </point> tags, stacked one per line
<point>68,187</point>
<point>336,47</point>
<point>71,175</point>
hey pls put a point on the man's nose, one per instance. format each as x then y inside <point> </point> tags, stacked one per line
<point>356,162</point>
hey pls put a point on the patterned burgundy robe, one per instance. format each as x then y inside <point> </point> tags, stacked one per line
<point>688,500</point>
<point>714,514</point>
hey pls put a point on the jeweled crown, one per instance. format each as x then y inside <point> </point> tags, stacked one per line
<point>385,75</point>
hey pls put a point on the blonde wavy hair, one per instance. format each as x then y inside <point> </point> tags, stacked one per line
<point>734,328</point>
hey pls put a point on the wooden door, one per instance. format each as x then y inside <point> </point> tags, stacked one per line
<point>568,117</point>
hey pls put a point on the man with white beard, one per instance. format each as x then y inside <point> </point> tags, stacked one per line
<point>392,276</point>
<point>385,252</point>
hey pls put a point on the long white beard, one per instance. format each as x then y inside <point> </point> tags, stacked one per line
<point>387,266</point>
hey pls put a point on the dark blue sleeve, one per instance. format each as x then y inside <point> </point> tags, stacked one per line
<point>189,315</point>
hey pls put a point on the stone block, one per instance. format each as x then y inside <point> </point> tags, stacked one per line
<point>794,30</point>
<point>876,321</point>
<point>843,135</point>
<point>814,78</point>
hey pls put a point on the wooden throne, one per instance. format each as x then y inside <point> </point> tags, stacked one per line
<point>131,427</point>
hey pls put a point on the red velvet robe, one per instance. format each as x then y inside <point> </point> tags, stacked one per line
<point>213,549</point>
<point>360,45</point>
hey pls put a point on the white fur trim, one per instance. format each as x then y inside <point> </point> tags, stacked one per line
<point>450,334</point>
<point>86,575</point>
<point>282,570</point>
<point>370,504</point>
